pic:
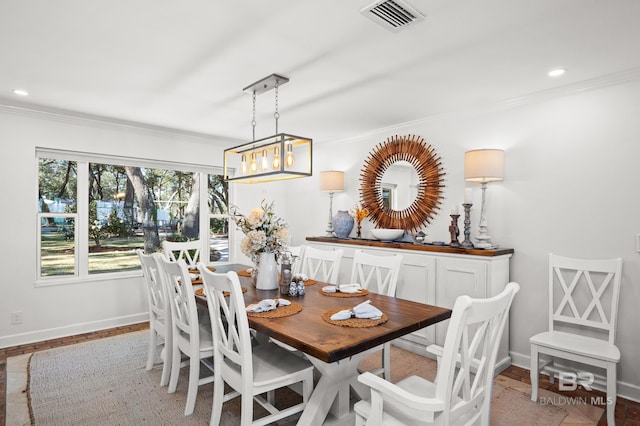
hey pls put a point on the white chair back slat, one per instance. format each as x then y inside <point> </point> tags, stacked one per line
<point>376,273</point>
<point>322,265</point>
<point>158,302</point>
<point>181,295</point>
<point>229,322</point>
<point>189,251</point>
<point>584,293</point>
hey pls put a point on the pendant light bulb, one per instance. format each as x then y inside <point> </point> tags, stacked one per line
<point>264,162</point>
<point>243,164</point>
<point>276,158</point>
<point>254,163</point>
<point>290,161</point>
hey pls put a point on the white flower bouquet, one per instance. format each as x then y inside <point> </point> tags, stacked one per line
<point>264,231</point>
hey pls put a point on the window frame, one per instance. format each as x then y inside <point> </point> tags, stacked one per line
<point>81,237</point>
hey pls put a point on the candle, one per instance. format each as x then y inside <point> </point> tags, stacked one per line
<point>468,196</point>
<point>454,210</point>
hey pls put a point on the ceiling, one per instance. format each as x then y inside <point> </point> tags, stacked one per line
<point>183,64</point>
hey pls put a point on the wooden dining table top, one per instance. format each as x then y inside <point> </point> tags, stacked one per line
<point>309,333</point>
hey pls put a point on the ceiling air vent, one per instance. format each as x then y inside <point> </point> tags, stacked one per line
<point>393,15</point>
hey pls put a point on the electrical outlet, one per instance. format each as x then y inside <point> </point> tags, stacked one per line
<point>16,317</point>
<point>638,242</point>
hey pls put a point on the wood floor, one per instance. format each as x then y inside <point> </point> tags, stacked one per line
<point>627,412</point>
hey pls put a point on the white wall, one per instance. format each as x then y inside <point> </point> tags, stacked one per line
<point>570,187</point>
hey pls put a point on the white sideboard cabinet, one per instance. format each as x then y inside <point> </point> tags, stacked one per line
<point>435,275</point>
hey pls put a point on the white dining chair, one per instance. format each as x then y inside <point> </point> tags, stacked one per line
<point>378,274</point>
<point>190,338</point>
<point>583,310</point>
<point>461,393</point>
<point>322,265</point>
<point>160,333</point>
<point>249,371</point>
<point>189,251</point>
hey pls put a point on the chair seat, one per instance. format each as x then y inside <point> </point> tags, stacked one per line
<point>577,344</point>
<point>206,341</point>
<point>272,362</point>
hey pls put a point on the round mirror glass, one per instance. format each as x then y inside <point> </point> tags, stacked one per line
<point>399,186</point>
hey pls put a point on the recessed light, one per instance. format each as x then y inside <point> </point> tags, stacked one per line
<point>21,92</point>
<point>557,72</point>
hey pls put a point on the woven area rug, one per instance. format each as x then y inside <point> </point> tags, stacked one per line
<point>104,382</point>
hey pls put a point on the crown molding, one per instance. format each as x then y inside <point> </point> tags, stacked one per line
<point>39,111</point>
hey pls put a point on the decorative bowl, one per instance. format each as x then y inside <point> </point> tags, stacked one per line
<point>384,234</point>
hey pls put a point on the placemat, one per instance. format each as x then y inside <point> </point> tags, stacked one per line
<point>244,273</point>
<point>309,282</point>
<point>279,312</point>
<point>353,322</point>
<point>200,292</point>
<point>362,292</point>
<point>197,271</point>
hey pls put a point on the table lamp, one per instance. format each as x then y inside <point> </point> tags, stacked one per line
<point>331,181</point>
<point>483,165</point>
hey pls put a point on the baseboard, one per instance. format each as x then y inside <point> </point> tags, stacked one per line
<point>70,330</point>
<point>625,390</point>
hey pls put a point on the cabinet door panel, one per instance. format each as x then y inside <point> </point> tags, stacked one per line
<point>455,278</point>
<point>417,282</point>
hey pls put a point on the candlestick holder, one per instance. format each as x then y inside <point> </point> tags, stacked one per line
<point>467,226</point>
<point>454,231</point>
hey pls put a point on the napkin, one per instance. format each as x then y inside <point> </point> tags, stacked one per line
<point>342,288</point>
<point>267,305</point>
<point>363,310</point>
<point>194,276</point>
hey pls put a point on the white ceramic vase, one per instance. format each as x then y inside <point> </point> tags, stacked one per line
<point>267,278</point>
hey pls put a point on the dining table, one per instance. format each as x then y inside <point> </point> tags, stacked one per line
<point>335,350</point>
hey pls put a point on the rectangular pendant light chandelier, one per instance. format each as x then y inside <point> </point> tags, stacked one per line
<point>278,157</point>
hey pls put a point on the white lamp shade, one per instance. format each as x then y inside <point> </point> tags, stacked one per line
<point>332,181</point>
<point>484,165</point>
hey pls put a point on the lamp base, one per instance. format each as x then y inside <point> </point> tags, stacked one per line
<point>483,241</point>
<point>329,231</point>
<point>480,245</point>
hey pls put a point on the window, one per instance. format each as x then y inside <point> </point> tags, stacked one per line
<point>95,211</point>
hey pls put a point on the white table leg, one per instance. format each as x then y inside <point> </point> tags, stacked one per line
<point>332,394</point>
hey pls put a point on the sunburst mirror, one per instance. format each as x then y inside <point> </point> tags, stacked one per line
<point>410,202</point>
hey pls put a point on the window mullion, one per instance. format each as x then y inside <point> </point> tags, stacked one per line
<point>82,230</point>
<point>204,218</point>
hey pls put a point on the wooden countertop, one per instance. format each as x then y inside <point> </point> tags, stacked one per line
<point>411,246</point>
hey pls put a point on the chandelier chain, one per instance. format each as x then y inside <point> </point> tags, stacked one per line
<point>253,120</point>
<point>276,114</point>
